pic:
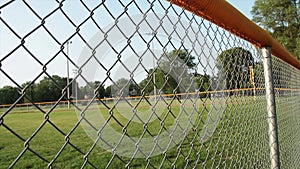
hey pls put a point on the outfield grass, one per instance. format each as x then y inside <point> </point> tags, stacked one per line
<point>238,132</point>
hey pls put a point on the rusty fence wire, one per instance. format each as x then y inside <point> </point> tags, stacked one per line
<point>136,84</point>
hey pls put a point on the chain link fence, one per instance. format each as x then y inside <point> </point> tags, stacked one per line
<point>136,84</point>
<point>286,79</point>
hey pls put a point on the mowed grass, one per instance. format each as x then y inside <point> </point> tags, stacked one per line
<point>221,133</point>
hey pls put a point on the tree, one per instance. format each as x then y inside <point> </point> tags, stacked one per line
<point>134,89</point>
<point>180,59</point>
<point>124,87</point>
<point>120,88</point>
<point>174,73</point>
<point>163,81</point>
<point>203,82</point>
<point>50,89</point>
<point>92,88</point>
<point>29,96</point>
<point>282,19</point>
<point>234,68</point>
<point>100,90</point>
<point>9,95</point>
<point>107,92</point>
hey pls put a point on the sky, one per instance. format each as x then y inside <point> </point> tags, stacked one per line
<point>244,6</point>
<point>27,62</point>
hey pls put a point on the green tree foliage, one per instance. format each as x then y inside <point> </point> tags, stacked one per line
<point>174,74</point>
<point>50,89</point>
<point>29,93</point>
<point>179,59</point>
<point>259,74</point>
<point>134,89</point>
<point>107,92</point>
<point>282,19</point>
<point>123,87</point>
<point>203,82</point>
<point>120,88</point>
<point>9,95</point>
<point>234,68</point>
<point>164,82</point>
<point>92,88</point>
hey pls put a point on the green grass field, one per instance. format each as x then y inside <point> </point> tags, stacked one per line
<point>234,131</point>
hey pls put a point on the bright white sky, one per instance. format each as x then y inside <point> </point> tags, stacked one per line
<point>22,67</point>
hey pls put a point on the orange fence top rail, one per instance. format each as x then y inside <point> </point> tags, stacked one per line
<point>221,13</point>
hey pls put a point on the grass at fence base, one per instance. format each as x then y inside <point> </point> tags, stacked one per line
<point>236,138</point>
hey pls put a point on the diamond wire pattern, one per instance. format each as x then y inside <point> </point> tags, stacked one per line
<point>286,79</point>
<point>229,129</point>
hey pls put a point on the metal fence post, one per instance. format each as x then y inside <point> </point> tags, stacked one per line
<point>271,108</point>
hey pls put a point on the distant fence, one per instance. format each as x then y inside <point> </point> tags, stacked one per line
<point>205,94</point>
<point>214,90</point>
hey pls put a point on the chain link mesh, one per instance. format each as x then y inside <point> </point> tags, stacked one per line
<point>152,86</point>
<point>286,79</point>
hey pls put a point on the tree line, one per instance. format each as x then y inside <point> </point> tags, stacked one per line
<point>176,73</point>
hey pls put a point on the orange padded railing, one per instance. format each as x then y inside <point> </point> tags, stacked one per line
<point>226,16</point>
